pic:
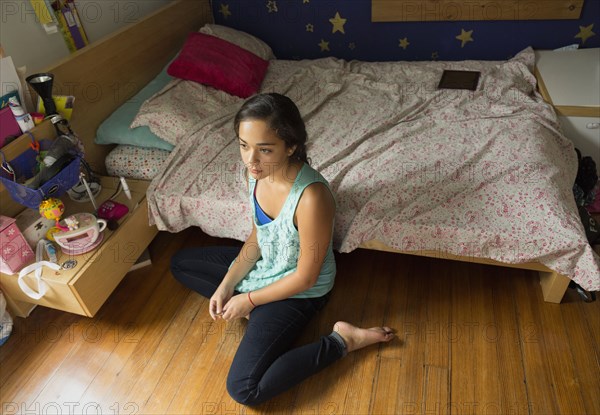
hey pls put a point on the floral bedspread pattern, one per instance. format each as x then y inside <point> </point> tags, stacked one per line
<point>483,173</point>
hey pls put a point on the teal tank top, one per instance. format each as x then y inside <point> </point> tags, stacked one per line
<point>280,244</point>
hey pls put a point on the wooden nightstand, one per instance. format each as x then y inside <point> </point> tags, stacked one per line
<point>570,81</point>
<point>84,288</point>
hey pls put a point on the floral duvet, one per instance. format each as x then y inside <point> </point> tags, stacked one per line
<point>485,173</point>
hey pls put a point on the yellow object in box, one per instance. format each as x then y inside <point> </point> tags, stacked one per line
<point>64,105</point>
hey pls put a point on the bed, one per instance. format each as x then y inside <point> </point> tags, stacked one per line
<point>482,176</point>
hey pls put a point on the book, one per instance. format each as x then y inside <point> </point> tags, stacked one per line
<point>459,80</point>
<point>143,261</point>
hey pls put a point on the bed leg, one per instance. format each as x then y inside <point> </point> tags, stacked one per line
<point>554,286</point>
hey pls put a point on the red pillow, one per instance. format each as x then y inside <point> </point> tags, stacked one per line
<point>212,61</point>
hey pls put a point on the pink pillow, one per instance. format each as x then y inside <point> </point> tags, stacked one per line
<point>220,64</point>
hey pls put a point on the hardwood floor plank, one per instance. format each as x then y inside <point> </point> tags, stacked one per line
<point>387,397</point>
<point>436,393</point>
<point>146,384</point>
<point>436,381</point>
<point>560,360</point>
<point>590,316</point>
<point>474,365</point>
<point>585,357</point>
<point>505,334</point>
<point>438,314</point>
<point>212,392</point>
<point>170,381</point>
<point>367,361</point>
<point>194,380</point>
<point>541,399</point>
<point>489,393</point>
<point>407,356</point>
<point>401,311</point>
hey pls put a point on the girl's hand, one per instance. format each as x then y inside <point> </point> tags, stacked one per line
<point>218,301</point>
<point>237,307</point>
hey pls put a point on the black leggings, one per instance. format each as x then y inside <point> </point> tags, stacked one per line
<point>265,363</point>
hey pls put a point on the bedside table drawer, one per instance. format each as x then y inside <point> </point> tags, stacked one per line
<point>84,288</point>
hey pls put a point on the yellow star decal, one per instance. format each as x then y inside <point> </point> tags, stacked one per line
<point>585,33</point>
<point>305,1</point>
<point>435,55</point>
<point>272,6</point>
<point>465,37</point>
<point>324,45</point>
<point>338,23</point>
<point>352,46</point>
<point>225,10</point>
<point>404,43</point>
<point>310,27</point>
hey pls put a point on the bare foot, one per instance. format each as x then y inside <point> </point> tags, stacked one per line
<point>357,338</point>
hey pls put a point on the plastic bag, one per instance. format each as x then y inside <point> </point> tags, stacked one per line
<point>6,322</point>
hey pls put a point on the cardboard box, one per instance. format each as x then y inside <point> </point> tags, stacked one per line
<point>15,252</point>
<point>33,226</point>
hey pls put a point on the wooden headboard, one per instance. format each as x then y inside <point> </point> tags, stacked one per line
<point>106,74</point>
<point>455,10</point>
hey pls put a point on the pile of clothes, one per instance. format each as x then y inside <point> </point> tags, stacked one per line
<point>587,196</point>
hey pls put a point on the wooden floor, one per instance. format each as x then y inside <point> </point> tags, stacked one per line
<point>472,339</point>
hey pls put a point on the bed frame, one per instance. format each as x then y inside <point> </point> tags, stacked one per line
<point>106,74</point>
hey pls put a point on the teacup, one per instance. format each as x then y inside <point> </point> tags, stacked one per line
<point>83,235</point>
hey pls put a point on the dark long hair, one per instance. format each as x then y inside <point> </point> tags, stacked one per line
<point>281,115</point>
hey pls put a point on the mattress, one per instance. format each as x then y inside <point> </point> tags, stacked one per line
<point>483,174</point>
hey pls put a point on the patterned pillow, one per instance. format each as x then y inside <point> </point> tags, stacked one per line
<point>135,162</point>
<point>212,61</point>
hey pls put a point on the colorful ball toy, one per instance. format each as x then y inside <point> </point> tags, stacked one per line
<point>53,208</point>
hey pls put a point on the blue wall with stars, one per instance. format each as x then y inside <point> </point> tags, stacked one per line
<point>308,29</point>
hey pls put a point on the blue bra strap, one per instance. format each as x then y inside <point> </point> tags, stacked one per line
<point>261,216</point>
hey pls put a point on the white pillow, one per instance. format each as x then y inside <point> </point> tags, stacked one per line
<point>239,38</point>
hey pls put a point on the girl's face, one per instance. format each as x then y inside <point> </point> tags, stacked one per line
<point>263,152</point>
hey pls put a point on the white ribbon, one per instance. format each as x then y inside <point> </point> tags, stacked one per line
<point>42,287</point>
